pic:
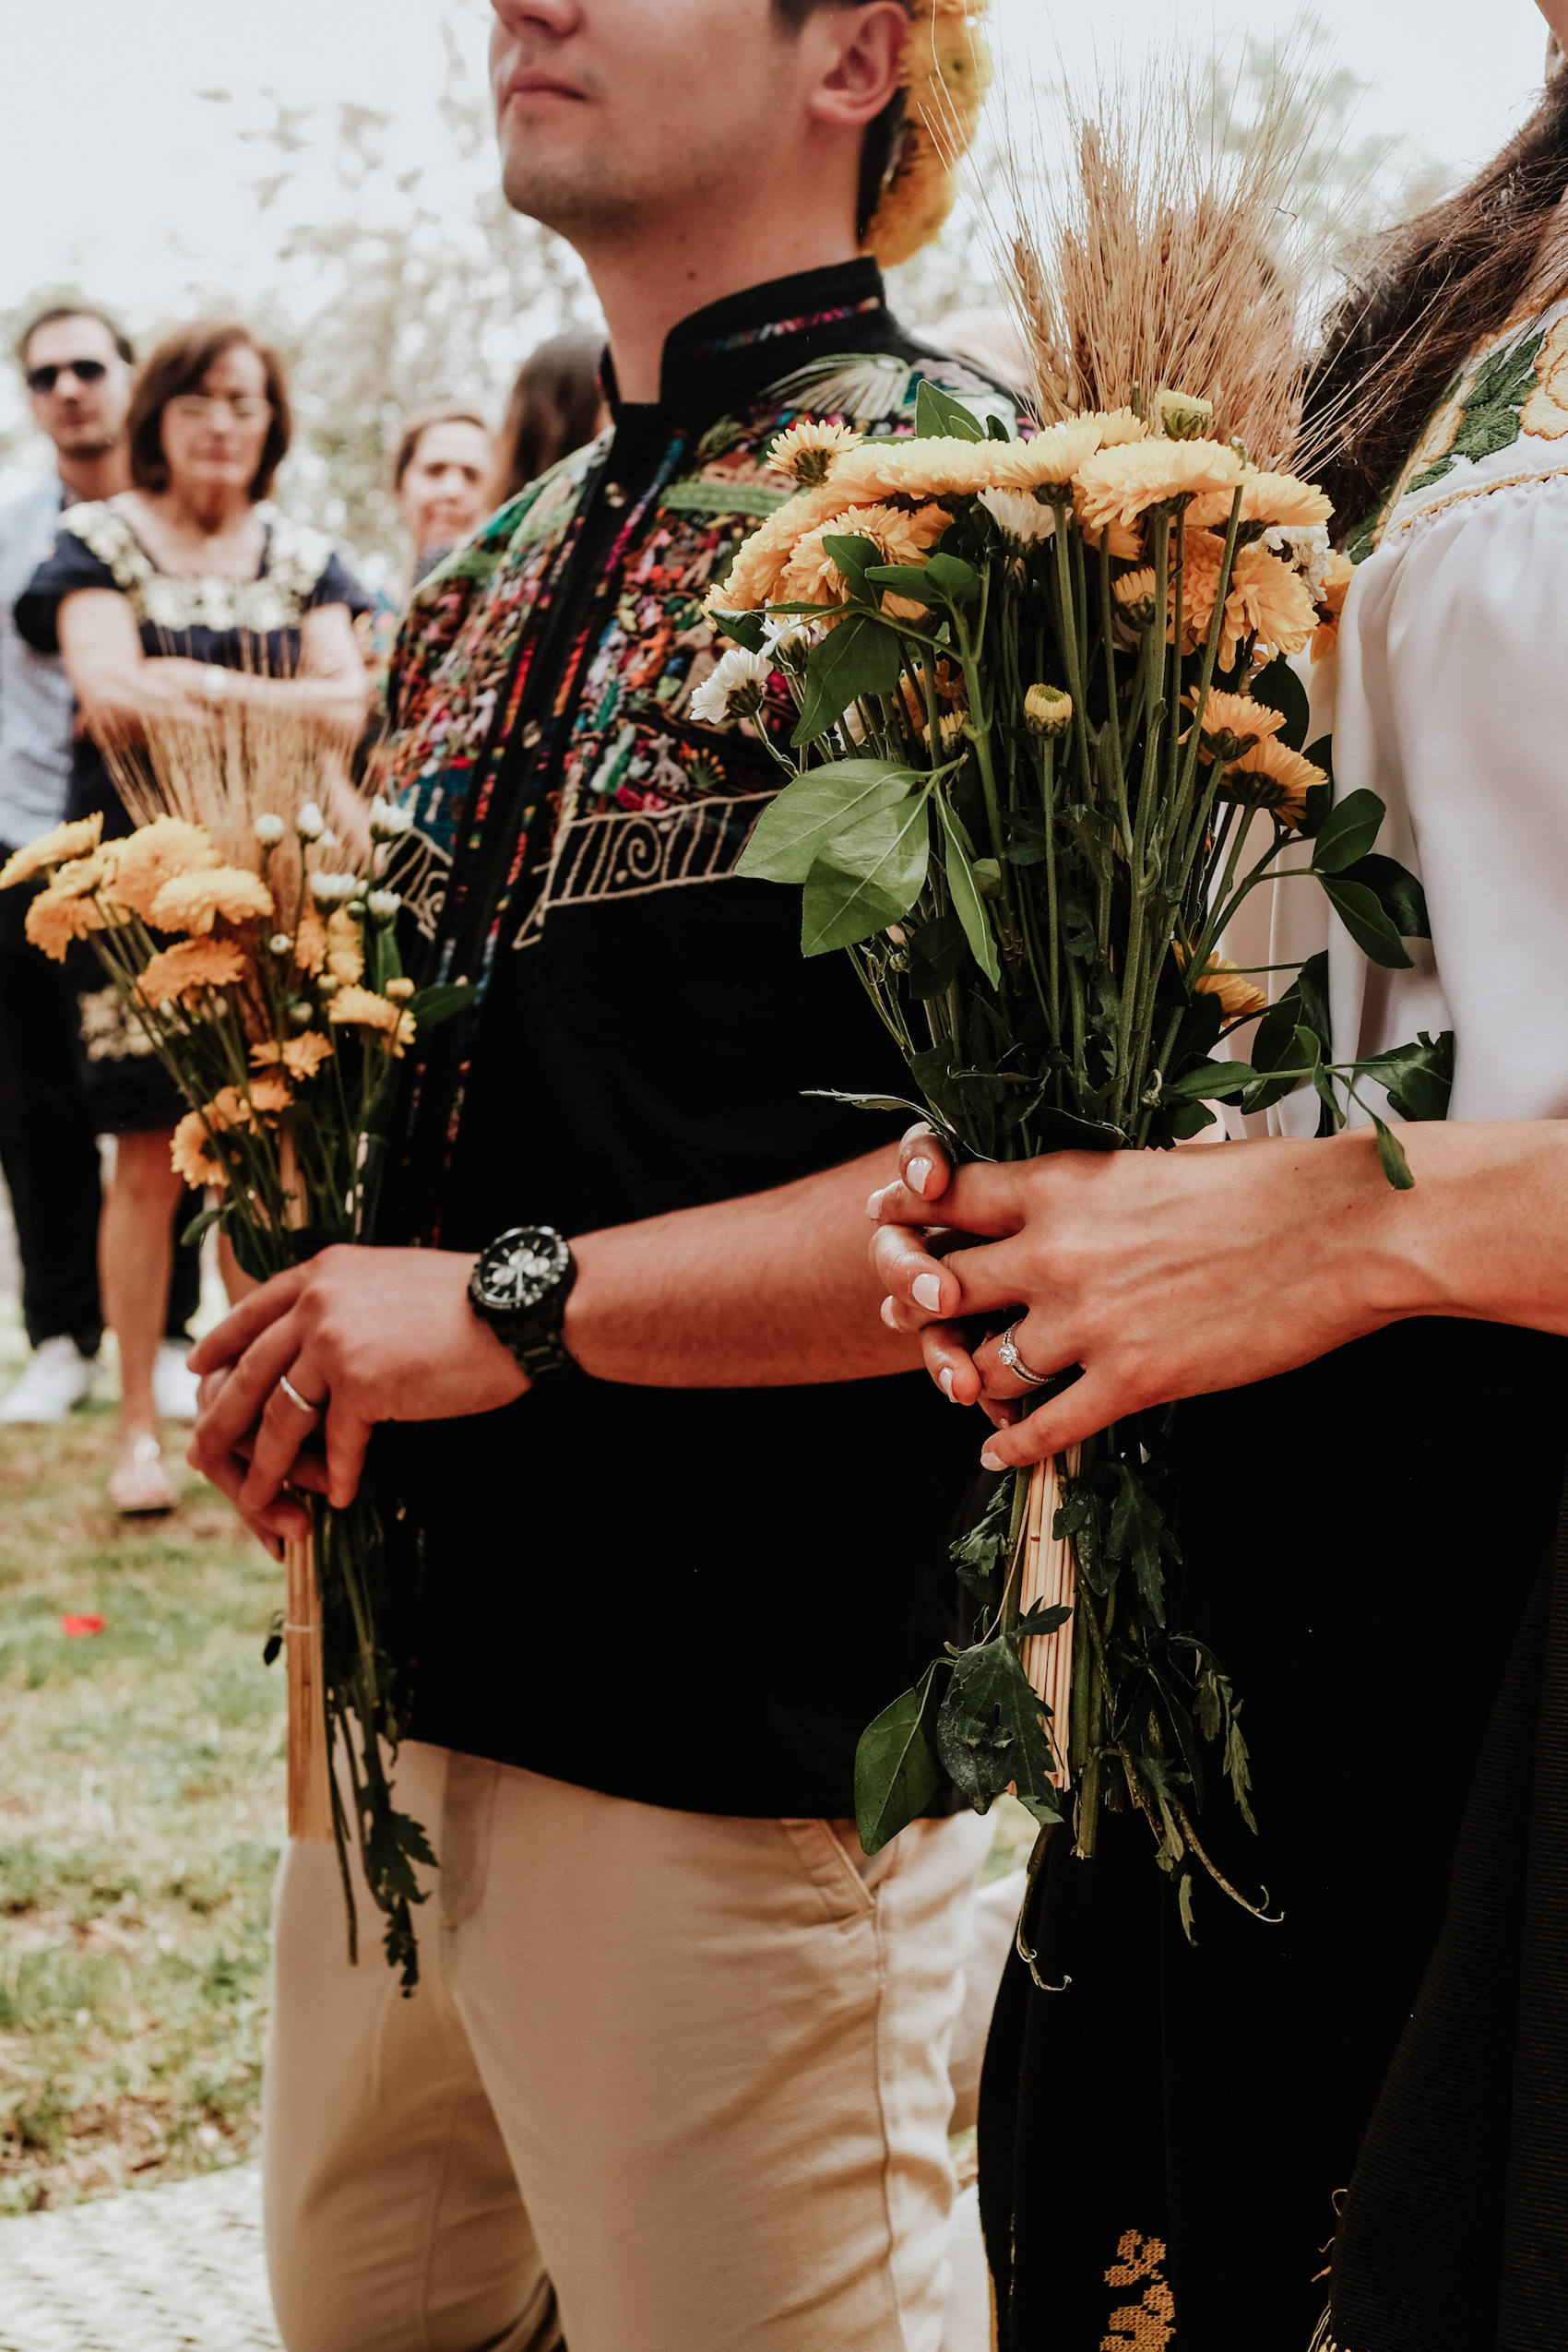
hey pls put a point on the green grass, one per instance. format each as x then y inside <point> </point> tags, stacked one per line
<point>141,1810</point>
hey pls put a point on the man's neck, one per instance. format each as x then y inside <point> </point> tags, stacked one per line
<point>102,475</point>
<point>647,289</point>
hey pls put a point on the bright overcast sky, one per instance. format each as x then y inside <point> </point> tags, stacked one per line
<point>116,173</point>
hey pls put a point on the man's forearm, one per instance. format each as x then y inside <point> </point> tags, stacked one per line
<point>774,1290</point>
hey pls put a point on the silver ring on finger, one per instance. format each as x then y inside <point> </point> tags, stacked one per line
<point>292,1393</point>
<point>1008,1354</point>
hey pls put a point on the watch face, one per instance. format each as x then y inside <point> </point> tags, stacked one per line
<point>523,1268</point>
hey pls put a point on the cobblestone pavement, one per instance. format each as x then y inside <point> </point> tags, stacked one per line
<point>160,2270</point>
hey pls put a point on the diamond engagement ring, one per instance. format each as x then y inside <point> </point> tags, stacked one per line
<point>1008,1354</point>
<point>292,1393</point>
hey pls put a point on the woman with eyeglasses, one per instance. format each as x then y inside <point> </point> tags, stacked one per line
<point>185,593</point>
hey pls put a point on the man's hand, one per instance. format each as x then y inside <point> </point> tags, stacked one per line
<point>1163,1274</point>
<point>365,1336</point>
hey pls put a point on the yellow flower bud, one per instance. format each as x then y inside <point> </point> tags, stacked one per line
<point>1048,710</point>
<point>1184,417</point>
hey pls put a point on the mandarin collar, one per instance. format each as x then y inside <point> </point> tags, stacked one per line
<point>753,337</point>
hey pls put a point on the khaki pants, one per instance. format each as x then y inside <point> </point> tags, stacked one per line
<point>671,2083</point>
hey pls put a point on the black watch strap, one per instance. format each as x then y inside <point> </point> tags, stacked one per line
<point>519,1286</point>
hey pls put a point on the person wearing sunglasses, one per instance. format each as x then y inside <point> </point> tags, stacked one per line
<point>78,367</point>
<point>179,595</point>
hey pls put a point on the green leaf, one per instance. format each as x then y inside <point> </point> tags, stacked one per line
<point>938,416</point>
<point>1396,891</point>
<point>1138,1533</point>
<point>1210,1082</point>
<point>744,627</point>
<point>1419,1077</point>
<point>991,1732</point>
<point>802,823</point>
<point>936,951</point>
<point>904,580</point>
<point>1348,832</point>
<point>1361,913</point>
<point>996,430</point>
<point>430,1006</point>
<point>864,1101</point>
<point>871,878</point>
<point>1391,1152</point>
<point>958,582</point>
<point>1278,688</point>
<point>854,553</point>
<point>897,1774</point>
<point>1041,1619</point>
<point>860,656</point>
<point>968,904</point>
<point>198,1226</point>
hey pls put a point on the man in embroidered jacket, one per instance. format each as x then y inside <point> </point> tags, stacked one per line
<point>676,2075</point>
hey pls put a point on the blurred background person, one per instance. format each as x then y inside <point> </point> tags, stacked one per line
<point>555,406</point>
<point>78,366</point>
<point>441,475</point>
<point>170,599</point>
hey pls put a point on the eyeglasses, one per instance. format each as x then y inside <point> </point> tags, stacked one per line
<point>200,408</point>
<point>44,379</point>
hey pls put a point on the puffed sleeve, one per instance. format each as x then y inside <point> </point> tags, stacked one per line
<point>337,585</point>
<point>67,565</point>
<point>1453,706</point>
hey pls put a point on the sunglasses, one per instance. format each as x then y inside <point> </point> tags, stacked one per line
<point>44,379</point>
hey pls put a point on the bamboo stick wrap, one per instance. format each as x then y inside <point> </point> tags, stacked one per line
<point>1048,1576</point>
<point>310,1789</point>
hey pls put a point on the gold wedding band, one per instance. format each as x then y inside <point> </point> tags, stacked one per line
<point>1009,1355</point>
<point>292,1393</point>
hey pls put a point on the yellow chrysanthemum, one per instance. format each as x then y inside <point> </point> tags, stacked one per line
<point>367,1010</point>
<point>300,1056</point>
<point>60,914</point>
<point>1125,541</point>
<point>814,578</point>
<point>1136,593</point>
<point>192,964</point>
<point>1267,599</point>
<point>934,467</point>
<point>1238,998</point>
<point>1047,710</point>
<point>194,1154</point>
<point>1326,637</point>
<point>1280,501</point>
<point>1185,416</point>
<point>73,841</point>
<point>154,854</point>
<point>1232,724</point>
<point>1272,775</point>
<point>310,940</point>
<point>754,576</point>
<point>1049,461</point>
<point>345,946</point>
<point>1120,485</point>
<point>1120,426</point>
<point>193,901</point>
<point>807,451</point>
<point>271,1094</point>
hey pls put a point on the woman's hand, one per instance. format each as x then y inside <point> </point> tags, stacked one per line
<point>1162,1274</point>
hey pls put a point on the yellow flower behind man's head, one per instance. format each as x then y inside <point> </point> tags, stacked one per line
<point>192,901</point>
<point>75,839</point>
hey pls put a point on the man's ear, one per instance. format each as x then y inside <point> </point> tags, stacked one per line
<point>862,53</point>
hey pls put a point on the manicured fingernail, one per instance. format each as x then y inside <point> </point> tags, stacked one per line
<point>874,1204</point>
<point>945,1382</point>
<point>888,1314</point>
<point>990,1461</point>
<point>916,1175</point>
<point>926,1292</point>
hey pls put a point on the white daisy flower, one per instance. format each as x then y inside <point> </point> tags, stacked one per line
<point>1022,518</point>
<point>734,689</point>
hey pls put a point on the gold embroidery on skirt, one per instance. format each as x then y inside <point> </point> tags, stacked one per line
<point>1148,2324</point>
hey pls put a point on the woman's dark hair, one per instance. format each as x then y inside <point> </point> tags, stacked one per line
<point>180,365</point>
<point>1433,288</point>
<point>418,422</point>
<point>553,409</point>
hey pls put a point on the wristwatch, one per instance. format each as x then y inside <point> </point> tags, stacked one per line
<point>519,1288</point>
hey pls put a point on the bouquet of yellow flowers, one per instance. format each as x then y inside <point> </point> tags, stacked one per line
<point>259,956</point>
<point>1046,739</point>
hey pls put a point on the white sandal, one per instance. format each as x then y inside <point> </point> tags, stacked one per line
<point>139,1482</point>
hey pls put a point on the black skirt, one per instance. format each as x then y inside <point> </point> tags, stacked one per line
<point>1166,2142</point>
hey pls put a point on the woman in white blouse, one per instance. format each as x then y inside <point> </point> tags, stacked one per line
<point>1367,2099</point>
